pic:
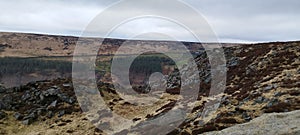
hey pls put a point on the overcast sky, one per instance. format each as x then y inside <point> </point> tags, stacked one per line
<point>231,20</point>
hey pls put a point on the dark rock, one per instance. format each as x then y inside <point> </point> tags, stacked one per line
<point>136,119</point>
<point>41,111</point>
<point>272,103</point>
<point>50,114</point>
<point>51,92</point>
<point>2,105</point>
<point>61,113</point>
<point>250,69</point>
<point>259,100</point>
<point>246,117</point>
<point>26,96</point>
<point>265,100</point>
<point>6,102</point>
<point>66,98</point>
<point>55,87</point>
<point>70,131</point>
<point>27,121</point>
<point>2,115</point>
<point>277,94</point>
<point>234,61</point>
<point>18,116</point>
<point>8,99</point>
<point>31,116</point>
<point>71,100</point>
<point>270,87</point>
<point>61,124</point>
<point>207,79</point>
<point>2,89</point>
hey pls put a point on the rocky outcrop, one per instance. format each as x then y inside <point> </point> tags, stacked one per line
<point>39,100</point>
<point>267,124</point>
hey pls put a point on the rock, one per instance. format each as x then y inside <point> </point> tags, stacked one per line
<point>246,117</point>
<point>234,61</point>
<point>270,87</point>
<point>27,121</point>
<point>31,116</point>
<point>18,116</point>
<point>277,94</point>
<point>41,111</point>
<point>2,89</point>
<point>55,87</point>
<point>52,105</point>
<point>267,124</point>
<point>6,102</point>
<point>51,92</point>
<point>136,119</point>
<point>2,105</point>
<point>207,79</point>
<point>259,100</point>
<point>70,131</point>
<point>66,98</point>
<point>50,114</point>
<point>61,113</point>
<point>250,69</point>
<point>2,115</point>
<point>287,101</point>
<point>41,97</point>
<point>66,85</point>
<point>62,124</point>
<point>26,96</point>
<point>272,102</point>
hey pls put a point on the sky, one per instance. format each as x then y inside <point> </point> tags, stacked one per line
<point>239,21</point>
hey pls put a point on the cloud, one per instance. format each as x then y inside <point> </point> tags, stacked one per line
<point>231,20</point>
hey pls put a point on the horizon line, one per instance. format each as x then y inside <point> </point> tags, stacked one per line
<point>136,39</point>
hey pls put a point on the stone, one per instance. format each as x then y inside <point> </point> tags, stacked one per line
<point>260,100</point>
<point>272,102</point>
<point>2,89</point>
<point>26,96</point>
<point>234,61</point>
<point>66,85</point>
<point>27,121</point>
<point>61,113</point>
<point>52,105</point>
<point>246,117</point>
<point>2,115</point>
<point>2,105</point>
<point>277,94</point>
<point>55,87</point>
<point>18,116</point>
<point>50,114</point>
<point>270,87</point>
<point>31,116</point>
<point>41,111</point>
<point>62,124</point>
<point>52,92</point>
